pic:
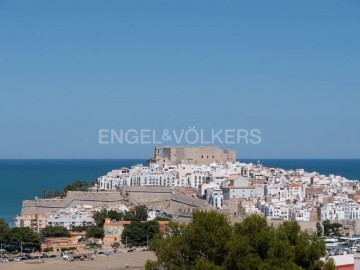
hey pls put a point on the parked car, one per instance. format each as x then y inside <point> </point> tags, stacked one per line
<point>28,256</point>
<point>68,257</point>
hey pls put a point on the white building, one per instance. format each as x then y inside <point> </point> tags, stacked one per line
<point>332,212</point>
<point>239,192</point>
<point>300,212</point>
<point>276,211</point>
<point>69,221</point>
<point>215,197</point>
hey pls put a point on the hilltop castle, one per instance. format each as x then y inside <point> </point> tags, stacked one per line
<point>172,155</point>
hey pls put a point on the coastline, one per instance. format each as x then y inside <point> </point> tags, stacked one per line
<point>24,179</point>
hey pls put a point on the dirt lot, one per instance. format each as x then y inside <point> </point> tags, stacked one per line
<point>133,260</point>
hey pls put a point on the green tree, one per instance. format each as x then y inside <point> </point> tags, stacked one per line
<point>331,228</point>
<point>114,215</point>
<point>55,232</point>
<point>138,214</point>
<point>52,193</point>
<point>139,233</point>
<point>81,228</point>
<point>4,231</point>
<point>209,241</point>
<point>95,232</point>
<point>329,264</point>
<point>307,249</point>
<point>24,235</point>
<point>152,265</point>
<point>327,227</point>
<point>130,216</point>
<point>77,186</point>
<point>99,217</point>
<point>141,212</point>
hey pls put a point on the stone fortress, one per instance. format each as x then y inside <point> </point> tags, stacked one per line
<point>172,155</point>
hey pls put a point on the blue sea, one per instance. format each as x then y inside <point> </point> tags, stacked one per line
<point>26,179</point>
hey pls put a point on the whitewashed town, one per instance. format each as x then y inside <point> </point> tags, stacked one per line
<point>273,192</point>
<point>216,176</point>
<point>180,180</point>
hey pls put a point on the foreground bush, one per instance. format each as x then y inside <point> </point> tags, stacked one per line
<point>211,242</point>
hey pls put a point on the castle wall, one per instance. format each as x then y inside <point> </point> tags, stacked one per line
<point>73,198</point>
<point>181,204</point>
<point>196,155</point>
<point>157,197</point>
<point>145,194</point>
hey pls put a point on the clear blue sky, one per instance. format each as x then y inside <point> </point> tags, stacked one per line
<point>288,68</point>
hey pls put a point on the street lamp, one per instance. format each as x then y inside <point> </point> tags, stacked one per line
<point>126,243</point>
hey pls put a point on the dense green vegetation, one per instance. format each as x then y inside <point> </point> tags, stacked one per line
<point>82,228</point>
<point>4,231</point>
<point>95,232</point>
<point>52,193</point>
<point>211,242</point>
<point>331,229</point>
<point>15,236</point>
<point>56,231</point>
<point>76,186</point>
<point>138,214</point>
<point>139,233</point>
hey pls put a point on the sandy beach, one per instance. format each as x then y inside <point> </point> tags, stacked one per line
<point>134,260</point>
